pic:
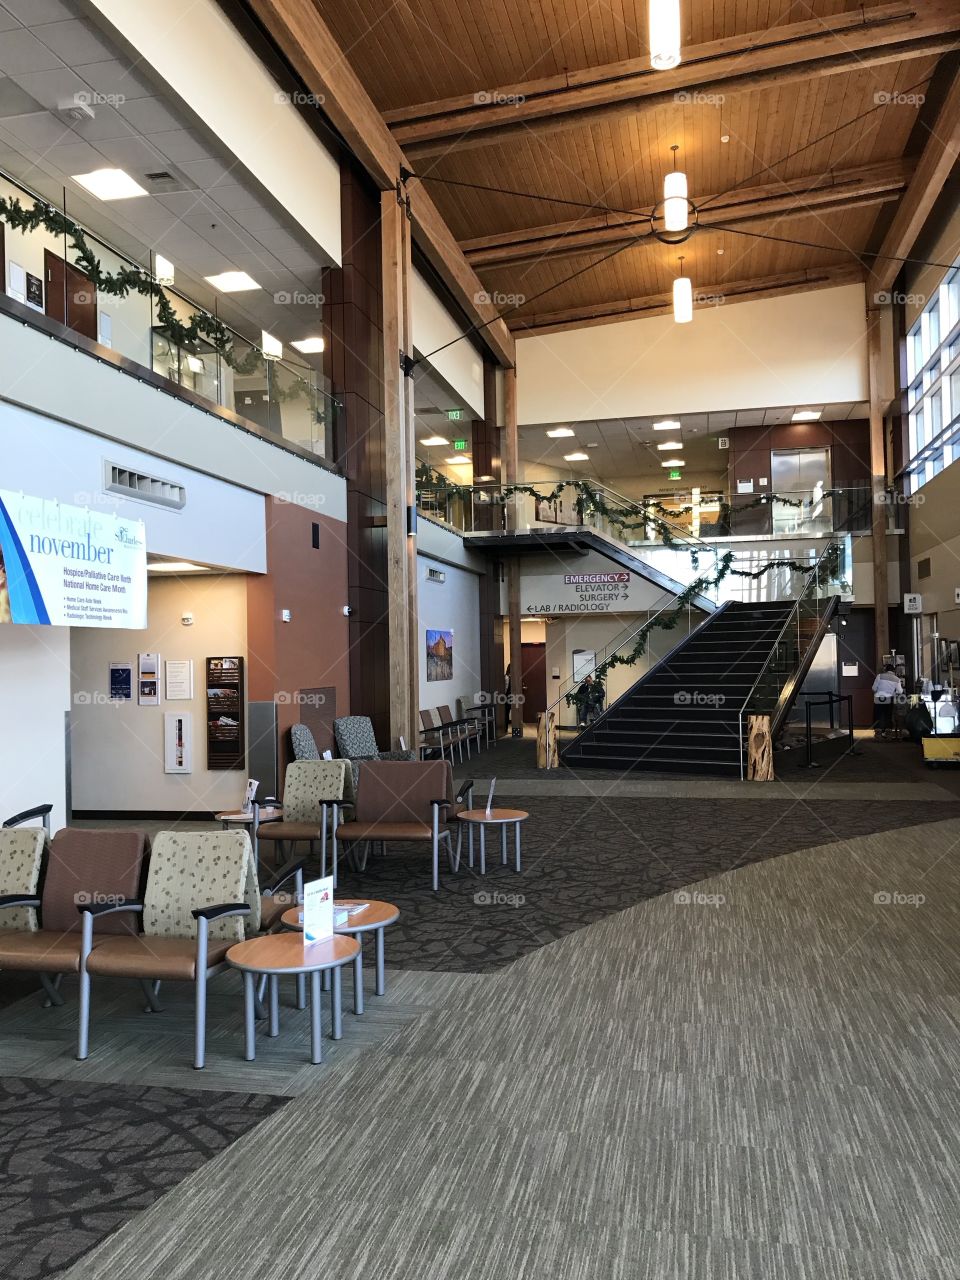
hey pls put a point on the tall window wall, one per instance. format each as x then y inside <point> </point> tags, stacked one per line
<point>933,370</point>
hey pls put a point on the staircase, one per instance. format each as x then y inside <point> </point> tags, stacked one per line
<point>683,716</point>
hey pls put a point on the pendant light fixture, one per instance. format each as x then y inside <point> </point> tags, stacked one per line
<point>682,298</point>
<point>664,34</point>
<point>675,203</point>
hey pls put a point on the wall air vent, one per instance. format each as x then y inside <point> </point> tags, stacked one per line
<point>923,568</point>
<point>436,575</point>
<point>141,487</point>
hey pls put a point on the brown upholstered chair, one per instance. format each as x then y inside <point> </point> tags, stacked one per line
<point>407,801</point>
<point>201,897</point>
<point>83,866</point>
<point>312,790</point>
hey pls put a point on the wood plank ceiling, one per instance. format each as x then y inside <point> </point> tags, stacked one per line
<point>556,98</point>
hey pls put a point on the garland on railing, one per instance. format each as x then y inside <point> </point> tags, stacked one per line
<point>831,563</point>
<point>627,515</point>
<point>126,280</point>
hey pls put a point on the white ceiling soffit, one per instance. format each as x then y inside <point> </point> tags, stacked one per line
<point>460,364</point>
<point>199,53</point>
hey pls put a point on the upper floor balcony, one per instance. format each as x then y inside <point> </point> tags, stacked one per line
<point>257,384</point>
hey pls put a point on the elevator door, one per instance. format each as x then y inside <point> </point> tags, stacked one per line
<point>801,476</point>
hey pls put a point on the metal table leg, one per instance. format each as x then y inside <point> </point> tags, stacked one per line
<point>470,841</point>
<point>358,980</point>
<point>336,1011</point>
<point>517,828</point>
<point>273,987</point>
<point>503,844</point>
<point>249,1025</point>
<point>316,1039</point>
<point>301,991</point>
<point>483,849</point>
<point>381,979</point>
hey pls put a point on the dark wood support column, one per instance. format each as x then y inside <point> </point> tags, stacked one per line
<point>511,466</point>
<point>878,471</point>
<point>403,624</point>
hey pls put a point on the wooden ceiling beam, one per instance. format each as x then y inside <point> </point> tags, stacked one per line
<point>309,47</point>
<point>892,32</point>
<point>724,294</point>
<point>934,167</point>
<point>826,193</point>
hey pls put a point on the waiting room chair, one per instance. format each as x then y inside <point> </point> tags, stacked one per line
<point>434,737</point>
<point>41,811</point>
<point>357,741</point>
<point>465,731</point>
<point>304,743</point>
<point>83,867</point>
<point>21,857</point>
<point>407,801</point>
<point>201,898</point>
<point>313,791</point>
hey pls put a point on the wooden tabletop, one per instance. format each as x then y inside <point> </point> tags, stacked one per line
<point>375,915</point>
<point>494,815</point>
<point>288,953</point>
<point>271,814</point>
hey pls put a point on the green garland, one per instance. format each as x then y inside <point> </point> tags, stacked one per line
<point>832,564</point>
<point>126,280</point>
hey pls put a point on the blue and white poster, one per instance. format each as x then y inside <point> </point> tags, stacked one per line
<point>65,566</point>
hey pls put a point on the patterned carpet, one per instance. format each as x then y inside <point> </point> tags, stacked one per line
<point>584,860</point>
<point>78,1160</point>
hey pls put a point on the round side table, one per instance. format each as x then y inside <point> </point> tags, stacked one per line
<point>276,954</point>
<point>374,918</point>
<point>502,818</point>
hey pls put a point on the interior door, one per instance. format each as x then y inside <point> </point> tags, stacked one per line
<point>534,681</point>
<point>71,298</point>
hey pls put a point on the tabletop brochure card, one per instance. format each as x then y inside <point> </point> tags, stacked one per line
<point>318,910</point>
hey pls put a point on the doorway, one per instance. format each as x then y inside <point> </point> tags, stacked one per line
<point>71,298</point>
<point>534,665</point>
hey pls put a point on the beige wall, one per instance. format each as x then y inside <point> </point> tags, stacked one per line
<point>117,749</point>
<point>805,348</point>
<point>34,699</point>
<point>935,535</point>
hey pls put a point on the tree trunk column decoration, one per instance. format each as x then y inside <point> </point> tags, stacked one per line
<point>759,749</point>
<point>547,754</point>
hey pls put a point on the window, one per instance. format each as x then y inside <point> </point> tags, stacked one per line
<point>933,393</point>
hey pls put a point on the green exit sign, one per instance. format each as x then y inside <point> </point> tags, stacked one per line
<point>454,414</point>
<point>460,446</point>
<point>675,475</point>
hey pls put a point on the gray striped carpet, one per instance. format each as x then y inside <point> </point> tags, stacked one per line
<point>755,1079</point>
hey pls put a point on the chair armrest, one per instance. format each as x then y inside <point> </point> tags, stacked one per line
<point>285,874</point>
<point>41,811</point>
<point>442,804</point>
<point>18,900</point>
<point>224,909</point>
<point>107,908</point>
<point>464,791</point>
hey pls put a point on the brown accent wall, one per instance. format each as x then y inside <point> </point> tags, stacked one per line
<point>353,361</point>
<point>311,650</point>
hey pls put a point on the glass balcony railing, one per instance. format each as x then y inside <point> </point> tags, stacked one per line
<point>286,398</point>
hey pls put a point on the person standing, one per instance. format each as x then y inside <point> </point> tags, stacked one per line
<point>886,689</point>
<point>583,699</point>
<point>598,696</point>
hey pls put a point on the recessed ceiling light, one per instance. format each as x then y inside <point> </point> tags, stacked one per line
<point>593,444</point>
<point>806,415</point>
<point>110,184</point>
<point>673,462</point>
<point>163,269</point>
<point>668,424</point>
<point>459,461</point>
<point>720,253</point>
<point>483,478</point>
<point>232,281</point>
<point>558,432</point>
<point>431,440</point>
<point>575,457</point>
<point>670,444</point>
<point>175,566</point>
<point>724,137</point>
<point>309,346</point>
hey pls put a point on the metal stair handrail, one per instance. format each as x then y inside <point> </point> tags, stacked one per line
<point>793,618</point>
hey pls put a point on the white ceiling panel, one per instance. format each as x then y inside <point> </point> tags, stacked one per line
<point>75,42</point>
<point>32,12</point>
<point>115,79</point>
<point>179,145</point>
<point>149,115</point>
<point>21,52</point>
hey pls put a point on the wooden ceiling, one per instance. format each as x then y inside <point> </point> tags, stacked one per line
<point>556,98</point>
